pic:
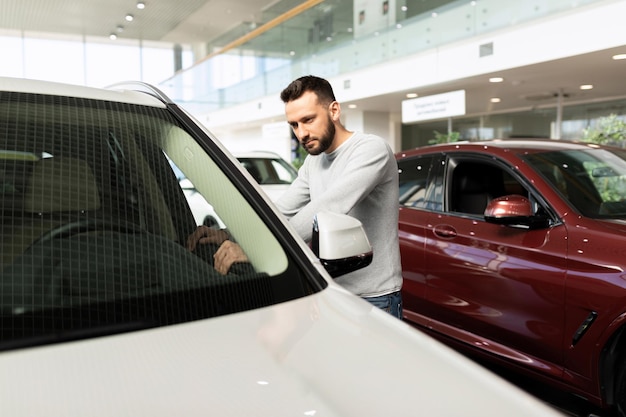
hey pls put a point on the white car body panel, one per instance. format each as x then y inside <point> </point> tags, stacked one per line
<point>317,356</point>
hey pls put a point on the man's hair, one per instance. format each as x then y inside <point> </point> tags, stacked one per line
<point>317,85</point>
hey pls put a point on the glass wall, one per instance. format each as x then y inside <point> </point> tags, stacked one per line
<point>85,61</point>
<point>336,37</point>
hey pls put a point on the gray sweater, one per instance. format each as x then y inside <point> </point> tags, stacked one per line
<point>360,178</point>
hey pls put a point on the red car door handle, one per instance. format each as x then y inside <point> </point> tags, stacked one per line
<point>444,231</point>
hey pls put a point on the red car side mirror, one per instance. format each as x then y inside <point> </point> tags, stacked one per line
<point>508,206</point>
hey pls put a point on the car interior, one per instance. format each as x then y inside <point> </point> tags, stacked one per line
<point>95,222</point>
<point>475,184</point>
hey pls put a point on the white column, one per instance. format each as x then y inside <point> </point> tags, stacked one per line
<point>384,124</point>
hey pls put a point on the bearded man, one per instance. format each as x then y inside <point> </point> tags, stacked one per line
<point>348,173</point>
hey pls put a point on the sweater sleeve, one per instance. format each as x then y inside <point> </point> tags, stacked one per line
<point>357,171</point>
<point>298,194</point>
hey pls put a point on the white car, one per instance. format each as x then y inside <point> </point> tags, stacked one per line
<point>104,312</point>
<point>203,212</point>
<point>270,170</point>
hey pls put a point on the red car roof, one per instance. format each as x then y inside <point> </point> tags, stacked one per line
<point>502,145</point>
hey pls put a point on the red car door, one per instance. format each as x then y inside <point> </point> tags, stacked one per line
<point>417,194</point>
<point>493,285</point>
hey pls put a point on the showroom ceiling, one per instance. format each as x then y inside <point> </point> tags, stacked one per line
<point>182,21</point>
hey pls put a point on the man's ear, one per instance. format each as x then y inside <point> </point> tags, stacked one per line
<point>335,111</point>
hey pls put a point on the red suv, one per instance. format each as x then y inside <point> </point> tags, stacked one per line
<point>515,250</point>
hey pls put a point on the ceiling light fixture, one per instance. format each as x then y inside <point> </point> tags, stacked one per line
<point>141,5</point>
<point>113,36</point>
<point>129,18</point>
<point>496,79</point>
<point>619,56</point>
<point>495,100</point>
<point>586,87</point>
<point>411,95</point>
<point>352,106</point>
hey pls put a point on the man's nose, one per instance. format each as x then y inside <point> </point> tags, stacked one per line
<point>301,132</point>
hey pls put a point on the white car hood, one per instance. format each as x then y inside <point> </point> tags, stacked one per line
<point>329,354</point>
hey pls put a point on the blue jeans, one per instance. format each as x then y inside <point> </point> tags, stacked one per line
<point>391,303</point>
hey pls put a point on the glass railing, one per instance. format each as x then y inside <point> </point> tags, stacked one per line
<point>333,38</point>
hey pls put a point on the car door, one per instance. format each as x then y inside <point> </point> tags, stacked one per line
<point>418,194</point>
<point>497,287</point>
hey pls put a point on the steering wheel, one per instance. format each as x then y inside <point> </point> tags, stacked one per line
<point>88,225</point>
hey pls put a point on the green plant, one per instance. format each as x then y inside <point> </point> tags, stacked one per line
<point>445,137</point>
<point>607,130</point>
<point>299,160</point>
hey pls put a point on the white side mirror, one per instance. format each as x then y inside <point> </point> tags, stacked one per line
<point>340,243</point>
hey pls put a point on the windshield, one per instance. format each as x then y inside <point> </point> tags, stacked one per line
<point>592,180</point>
<point>98,200</point>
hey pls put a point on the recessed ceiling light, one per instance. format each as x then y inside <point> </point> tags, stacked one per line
<point>113,36</point>
<point>129,17</point>
<point>411,95</point>
<point>619,56</point>
<point>120,28</point>
<point>141,5</point>
<point>495,100</point>
<point>496,79</point>
<point>586,86</point>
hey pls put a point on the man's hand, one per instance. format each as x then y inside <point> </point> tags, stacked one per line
<point>228,252</point>
<point>203,235</point>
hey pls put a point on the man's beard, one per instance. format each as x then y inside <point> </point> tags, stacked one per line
<point>325,141</point>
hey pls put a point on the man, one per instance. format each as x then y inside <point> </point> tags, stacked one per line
<point>345,172</point>
<point>350,173</point>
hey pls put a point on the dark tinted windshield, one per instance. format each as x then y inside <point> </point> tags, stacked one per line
<point>593,180</point>
<point>95,220</point>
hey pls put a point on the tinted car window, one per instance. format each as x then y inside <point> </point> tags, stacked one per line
<point>475,183</point>
<point>421,185</point>
<point>94,224</point>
